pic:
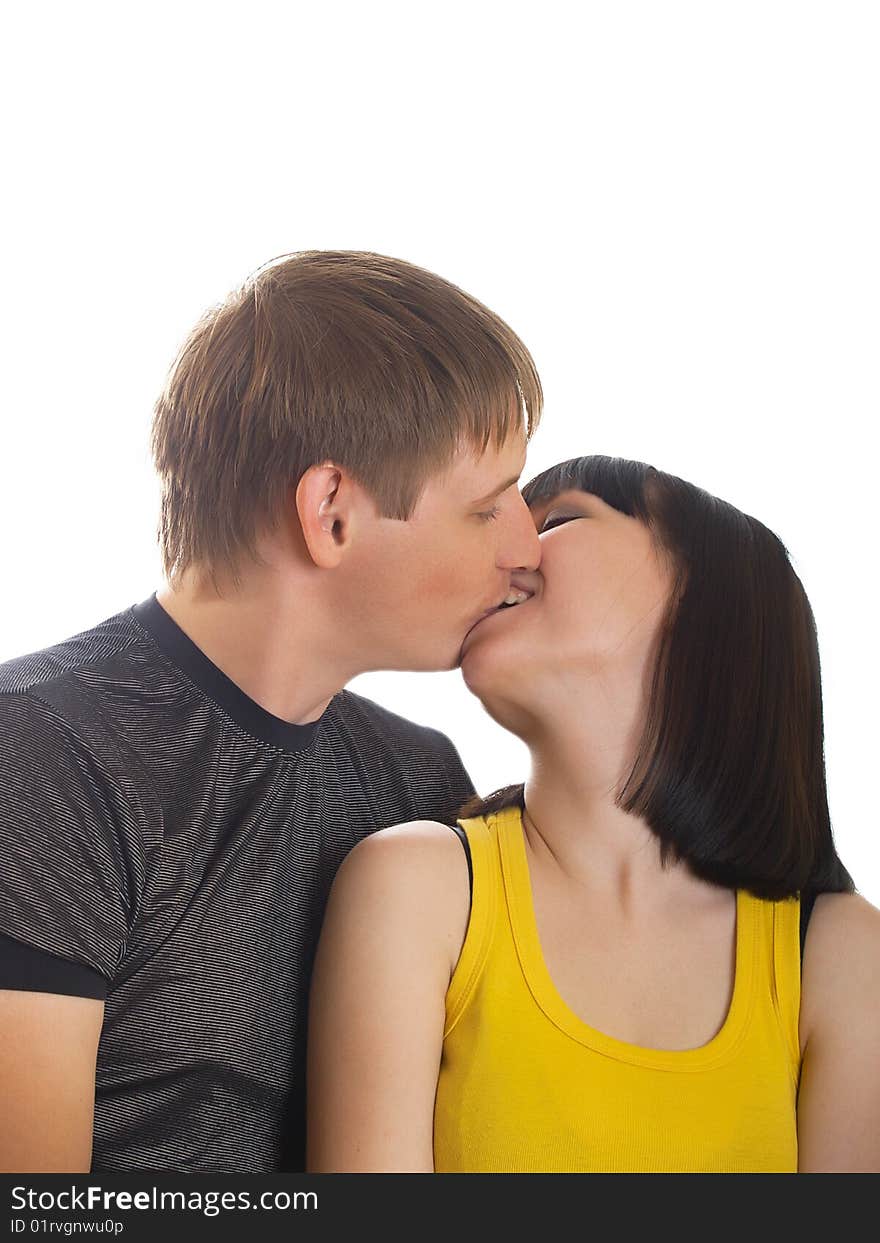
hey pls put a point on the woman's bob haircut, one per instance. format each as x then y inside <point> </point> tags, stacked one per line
<point>729,773</point>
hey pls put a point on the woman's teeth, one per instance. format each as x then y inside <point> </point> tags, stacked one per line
<point>515,597</point>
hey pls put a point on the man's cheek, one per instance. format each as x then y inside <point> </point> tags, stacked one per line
<point>446,579</point>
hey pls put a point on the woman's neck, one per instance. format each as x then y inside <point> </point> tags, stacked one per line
<point>573,826</point>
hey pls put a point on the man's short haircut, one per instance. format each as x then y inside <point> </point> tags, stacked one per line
<point>349,357</point>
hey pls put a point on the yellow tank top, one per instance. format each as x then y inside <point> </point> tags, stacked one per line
<point>526,1086</point>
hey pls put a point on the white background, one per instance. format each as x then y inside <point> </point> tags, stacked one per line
<point>676,206</point>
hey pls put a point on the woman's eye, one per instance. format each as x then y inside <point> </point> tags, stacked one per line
<point>549,523</point>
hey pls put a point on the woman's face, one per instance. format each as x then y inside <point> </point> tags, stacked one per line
<point>600,596</point>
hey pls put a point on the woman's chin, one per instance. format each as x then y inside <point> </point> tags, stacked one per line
<point>485,664</point>
<point>499,690</point>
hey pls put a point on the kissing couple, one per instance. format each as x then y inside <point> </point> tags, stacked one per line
<point>251,921</point>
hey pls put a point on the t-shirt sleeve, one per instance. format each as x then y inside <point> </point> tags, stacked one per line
<point>457,786</point>
<point>70,862</point>
<point>28,970</point>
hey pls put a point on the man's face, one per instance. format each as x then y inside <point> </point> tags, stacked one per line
<point>420,585</point>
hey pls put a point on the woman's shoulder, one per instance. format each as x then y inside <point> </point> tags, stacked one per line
<point>413,874</point>
<point>841,964</point>
<point>842,924</point>
<point>401,845</point>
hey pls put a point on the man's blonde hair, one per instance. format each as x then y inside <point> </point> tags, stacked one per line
<point>346,356</point>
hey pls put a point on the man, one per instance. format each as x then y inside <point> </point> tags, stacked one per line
<point>339,444</point>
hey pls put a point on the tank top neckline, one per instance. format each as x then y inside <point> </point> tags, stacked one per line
<point>520,904</point>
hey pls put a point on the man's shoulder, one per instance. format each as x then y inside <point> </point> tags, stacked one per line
<point>412,771</point>
<point>70,698</point>
<point>359,711</point>
<point>89,648</point>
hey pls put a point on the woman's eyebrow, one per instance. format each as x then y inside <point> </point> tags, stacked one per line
<point>568,496</point>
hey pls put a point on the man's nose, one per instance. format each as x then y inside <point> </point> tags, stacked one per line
<point>522,548</point>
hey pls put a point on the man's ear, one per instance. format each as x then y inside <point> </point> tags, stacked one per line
<point>324,505</point>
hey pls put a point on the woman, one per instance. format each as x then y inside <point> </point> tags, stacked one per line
<point>623,991</point>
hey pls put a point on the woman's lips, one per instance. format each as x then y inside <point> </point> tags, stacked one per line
<point>500,608</point>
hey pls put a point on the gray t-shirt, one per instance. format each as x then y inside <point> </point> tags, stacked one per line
<point>168,845</point>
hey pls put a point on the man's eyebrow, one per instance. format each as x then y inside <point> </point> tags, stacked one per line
<point>502,487</point>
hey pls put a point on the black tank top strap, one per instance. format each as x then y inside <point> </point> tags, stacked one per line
<point>463,838</point>
<point>807,900</point>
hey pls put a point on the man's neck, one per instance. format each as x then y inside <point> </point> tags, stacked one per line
<point>274,648</point>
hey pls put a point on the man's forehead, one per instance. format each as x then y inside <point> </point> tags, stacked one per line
<point>489,468</point>
<point>472,474</point>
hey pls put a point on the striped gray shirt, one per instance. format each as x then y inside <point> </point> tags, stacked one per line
<point>168,845</point>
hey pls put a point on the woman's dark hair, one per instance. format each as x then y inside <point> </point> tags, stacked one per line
<point>730,771</point>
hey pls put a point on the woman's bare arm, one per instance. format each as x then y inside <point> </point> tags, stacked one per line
<point>392,933</point>
<point>839,1097</point>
